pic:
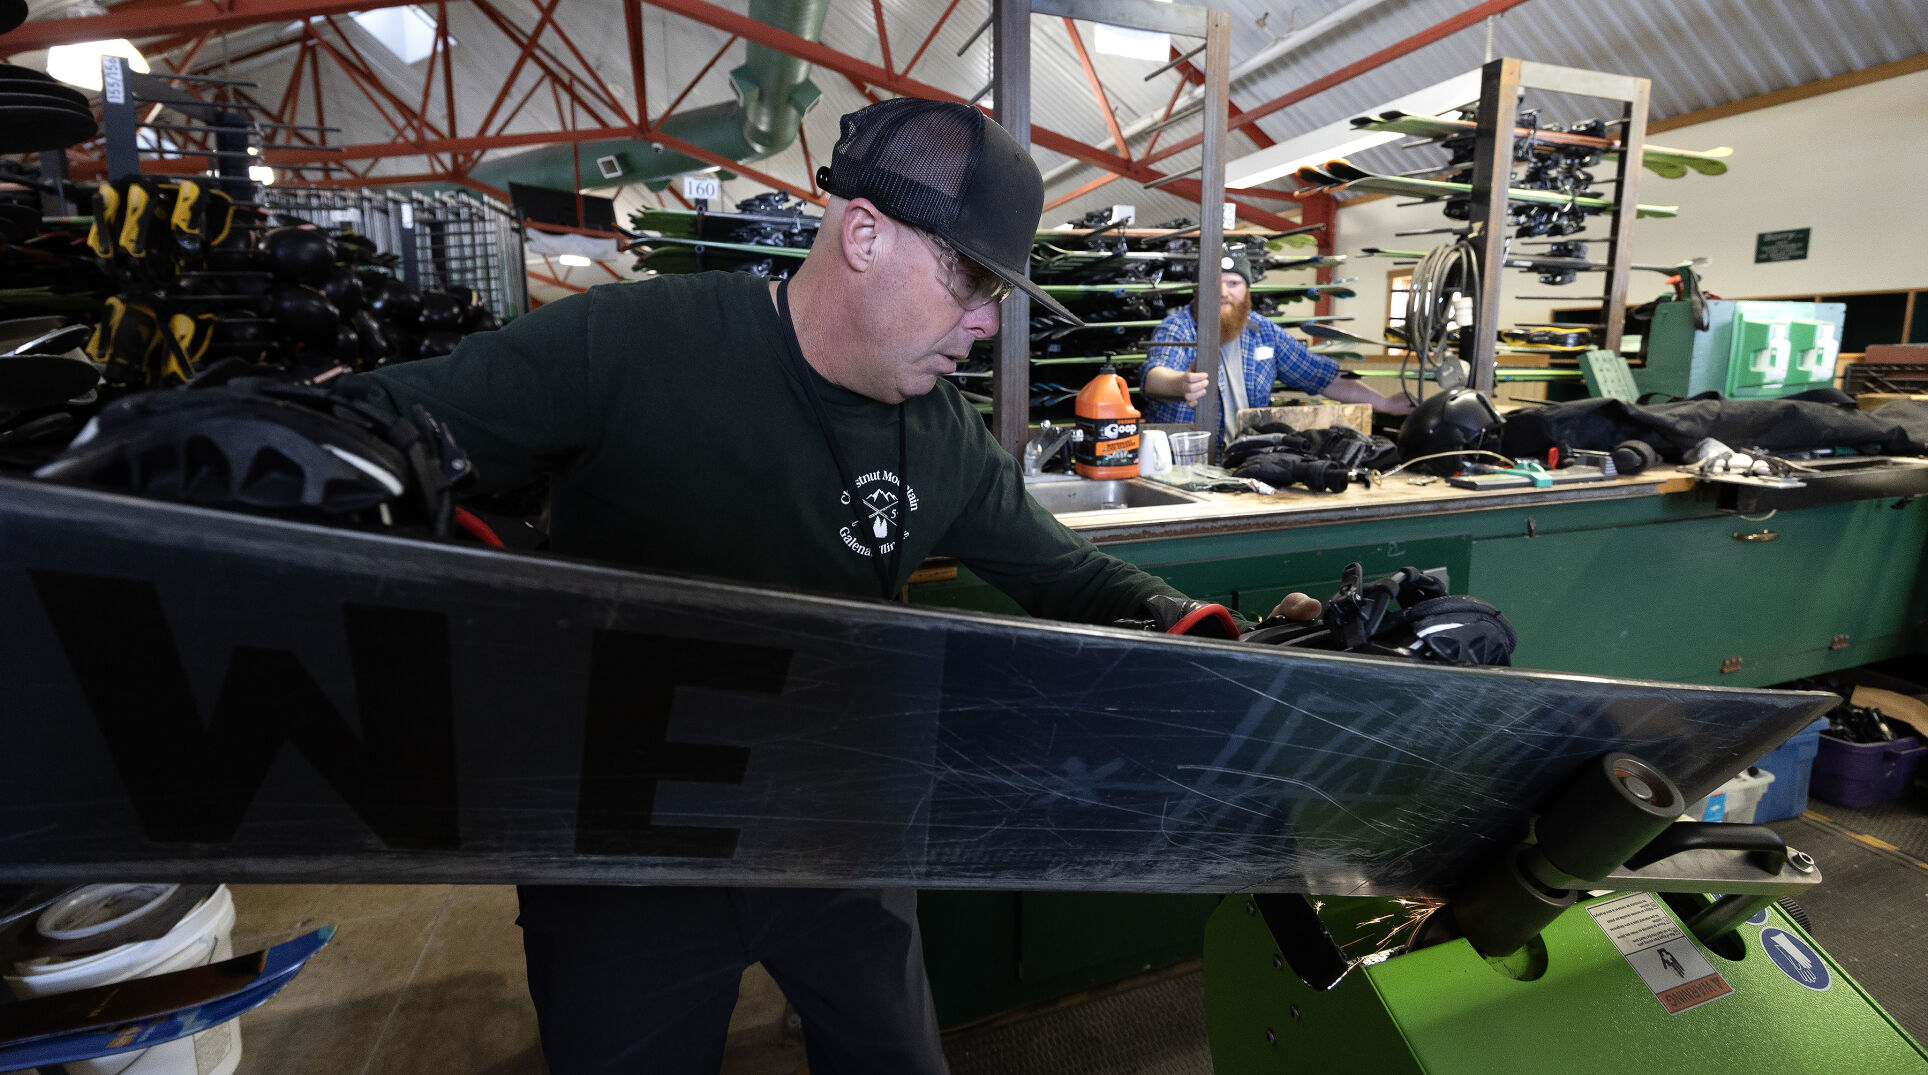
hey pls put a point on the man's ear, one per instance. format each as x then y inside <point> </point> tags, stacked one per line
<point>861,235</point>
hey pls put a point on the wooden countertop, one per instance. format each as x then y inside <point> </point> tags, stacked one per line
<point>1399,496</point>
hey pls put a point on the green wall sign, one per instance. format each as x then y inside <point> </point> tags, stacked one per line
<point>1789,245</point>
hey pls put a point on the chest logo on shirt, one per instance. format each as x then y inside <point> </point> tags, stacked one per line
<point>882,500</point>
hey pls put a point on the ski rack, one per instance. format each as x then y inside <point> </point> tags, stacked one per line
<point>236,132</point>
<point>1499,105</point>
<point>443,239</point>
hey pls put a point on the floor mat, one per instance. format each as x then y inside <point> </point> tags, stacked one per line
<point>1870,913</point>
<point>1901,823</point>
<point>1152,1029</point>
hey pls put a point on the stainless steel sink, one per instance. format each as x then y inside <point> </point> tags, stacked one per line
<point>1061,498</point>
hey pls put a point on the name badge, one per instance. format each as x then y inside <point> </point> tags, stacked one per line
<point>1261,352</point>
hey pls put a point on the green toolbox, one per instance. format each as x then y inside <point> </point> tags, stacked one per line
<point>1749,350</point>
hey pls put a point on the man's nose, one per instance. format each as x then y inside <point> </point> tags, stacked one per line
<point>982,322</point>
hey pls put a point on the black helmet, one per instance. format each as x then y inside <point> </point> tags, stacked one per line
<point>440,310</point>
<point>305,316</point>
<point>375,346</point>
<point>275,448</point>
<point>394,302</point>
<point>344,289</point>
<point>299,255</point>
<point>1454,421</point>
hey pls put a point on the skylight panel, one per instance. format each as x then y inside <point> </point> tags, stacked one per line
<point>408,32</point>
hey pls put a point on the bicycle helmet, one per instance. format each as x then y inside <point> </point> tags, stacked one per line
<point>1455,421</point>
<point>276,448</point>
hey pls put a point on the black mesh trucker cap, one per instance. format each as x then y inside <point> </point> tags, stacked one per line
<point>949,170</point>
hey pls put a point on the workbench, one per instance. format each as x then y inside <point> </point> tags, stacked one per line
<point>1641,577</point>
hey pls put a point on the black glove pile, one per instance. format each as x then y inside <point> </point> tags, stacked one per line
<point>1407,614</point>
<point>1320,459</point>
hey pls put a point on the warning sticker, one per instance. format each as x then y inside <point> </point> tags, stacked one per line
<point>1669,963</point>
<point>1796,959</point>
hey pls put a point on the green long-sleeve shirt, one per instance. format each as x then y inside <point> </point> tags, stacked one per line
<point>678,437</point>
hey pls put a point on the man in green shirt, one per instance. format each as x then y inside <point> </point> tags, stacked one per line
<point>795,434</point>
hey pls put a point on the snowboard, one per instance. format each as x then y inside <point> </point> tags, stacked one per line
<point>203,695</point>
<point>85,1023</point>
<point>1668,163</point>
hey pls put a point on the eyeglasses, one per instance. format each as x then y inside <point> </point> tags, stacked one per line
<point>972,285</point>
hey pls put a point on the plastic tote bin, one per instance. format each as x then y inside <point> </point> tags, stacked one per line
<point>1861,774</point>
<point>1792,763</point>
<point>1737,800</point>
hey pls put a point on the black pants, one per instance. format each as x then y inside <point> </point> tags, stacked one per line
<point>641,980</point>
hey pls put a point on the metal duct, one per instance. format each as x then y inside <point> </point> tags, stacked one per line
<point>773,92</point>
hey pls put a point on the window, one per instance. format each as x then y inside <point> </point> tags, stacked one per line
<point>1399,285</point>
<point>408,32</point>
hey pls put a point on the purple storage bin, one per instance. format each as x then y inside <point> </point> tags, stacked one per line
<point>1861,774</point>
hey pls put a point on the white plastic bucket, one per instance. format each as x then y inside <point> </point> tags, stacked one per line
<point>204,936</point>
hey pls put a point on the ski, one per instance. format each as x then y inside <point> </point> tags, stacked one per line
<point>1339,335</point>
<point>142,1012</point>
<point>1049,253</point>
<point>1058,332</point>
<point>1669,163</point>
<point>649,243</point>
<point>1330,178</point>
<point>1181,287</point>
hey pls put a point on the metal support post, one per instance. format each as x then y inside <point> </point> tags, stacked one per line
<point>1499,112</point>
<point>53,172</point>
<point>1011,106</point>
<point>1211,211</point>
<point>1633,136</point>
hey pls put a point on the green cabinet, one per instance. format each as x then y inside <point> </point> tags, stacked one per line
<point>1717,599</point>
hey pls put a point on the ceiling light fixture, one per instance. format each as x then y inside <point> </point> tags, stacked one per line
<point>576,260</point>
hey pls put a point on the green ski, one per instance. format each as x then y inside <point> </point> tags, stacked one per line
<point>1669,163</point>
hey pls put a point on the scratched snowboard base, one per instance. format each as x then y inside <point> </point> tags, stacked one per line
<point>200,696</point>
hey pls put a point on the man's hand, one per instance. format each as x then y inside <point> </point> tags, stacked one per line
<point>1398,404</point>
<point>1163,382</point>
<point>1195,385</point>
<point>1351,390</point>
<point>1297,606</point>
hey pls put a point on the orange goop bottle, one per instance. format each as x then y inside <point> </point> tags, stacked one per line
<point>1109,447</point>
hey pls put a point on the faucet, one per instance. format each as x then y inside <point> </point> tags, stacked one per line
<point>1047,444</point>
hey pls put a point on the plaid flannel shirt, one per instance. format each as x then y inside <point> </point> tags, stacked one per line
<point>1270,354</point>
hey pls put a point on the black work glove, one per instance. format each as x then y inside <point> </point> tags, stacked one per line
<point>1184,616</point>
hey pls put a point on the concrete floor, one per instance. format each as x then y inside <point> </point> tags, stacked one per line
<point>424,978</point>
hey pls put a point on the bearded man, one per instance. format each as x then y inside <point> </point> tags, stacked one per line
<point>1255,353</point>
